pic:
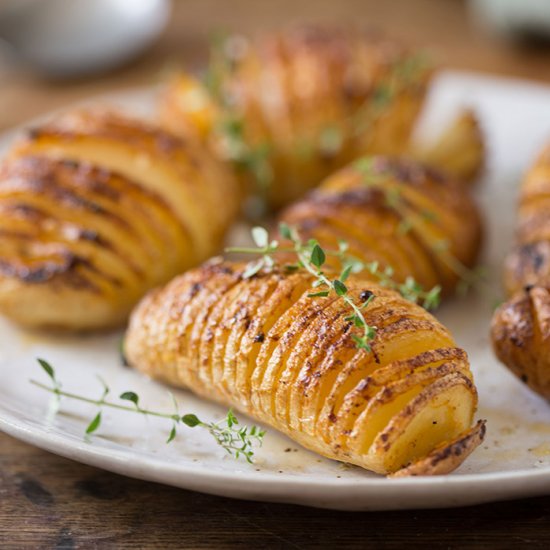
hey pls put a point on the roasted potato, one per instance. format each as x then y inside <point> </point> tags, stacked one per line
<point>293,106</point>
<point>266,347</point>
<point>96,209</point>
<point>402,214</point>
<point>521,326</point>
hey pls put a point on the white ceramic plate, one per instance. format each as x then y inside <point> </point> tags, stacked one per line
<point>513,462</point>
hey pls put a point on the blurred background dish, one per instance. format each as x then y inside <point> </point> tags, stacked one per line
<point>528,19</point>
<point>67,38</point>
<point>447,27</point>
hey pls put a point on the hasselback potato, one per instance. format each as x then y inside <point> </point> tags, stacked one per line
<point>264,346</point>
<point>521,326</point>
<point>397,212</point>
<point>293,106</point>
<point>96,209</point>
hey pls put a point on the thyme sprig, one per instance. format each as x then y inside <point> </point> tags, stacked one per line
<point>404,74</point>
<point>394,200</point>
<point>239,441</point>
<point>410,290</point>
<point>311,257</point>
<point>252,158</point>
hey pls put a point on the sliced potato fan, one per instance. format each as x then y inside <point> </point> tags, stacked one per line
<point>95,210</point>
<point>267,348</point>
<point>292,106</point>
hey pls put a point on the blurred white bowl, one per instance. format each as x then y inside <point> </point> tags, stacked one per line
<point>512,18</point>
<point>75,37</point>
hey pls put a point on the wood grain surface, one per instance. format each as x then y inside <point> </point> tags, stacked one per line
<point>50,502</point>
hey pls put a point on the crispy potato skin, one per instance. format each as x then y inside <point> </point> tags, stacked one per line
<point>97,209</point>
<point>521,326</point>
<point>263,346</point>
<point>316,97</point>
<point>520,333</point>
<point>354,207</point>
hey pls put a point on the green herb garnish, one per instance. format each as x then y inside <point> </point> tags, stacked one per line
<point>311,257</point>
<point>236,440</point>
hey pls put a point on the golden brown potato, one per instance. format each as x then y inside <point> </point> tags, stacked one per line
<point>97,209</point>
<point>521,326</point>
<point>459,150</point>
<point>521,337</point>
<point>265,347</point>
<point>396,212</point>
<point>293,106</point>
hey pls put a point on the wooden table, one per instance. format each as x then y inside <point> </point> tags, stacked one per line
<point>50,502</point>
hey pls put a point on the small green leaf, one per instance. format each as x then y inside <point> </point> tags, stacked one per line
<point>370,332</point>
<point>372,267</point>
<point>232,420</point>
<point>364,165</point>
<point>47,368</point>
<point>172,435</point>
<point>253,268</point>
<point>342,246</point>
<point>346,272</point>
<point>285,231</point>
<point>122,355</point>
<point>356,265</point>
<point>320,294</point>
<point>339,287</point>
<point>361,342</point>
<point>260,236</point>
<point>106,389</point>
<point>432,299</point>
<point>94,424</point>
<point>317,256</point>
<point>358,321</point>
<point>190,420</point>
<point>130,396</point>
